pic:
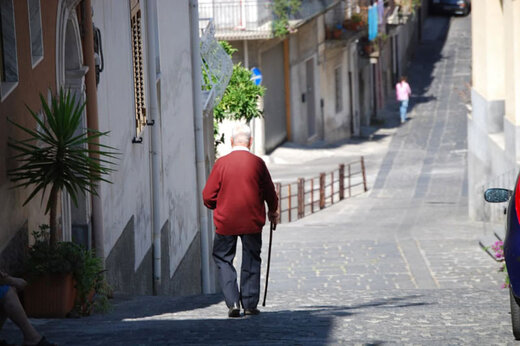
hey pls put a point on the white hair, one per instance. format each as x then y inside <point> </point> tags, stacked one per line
<point>241,133</point>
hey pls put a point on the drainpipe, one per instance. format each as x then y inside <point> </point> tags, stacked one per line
<point>205,237</point>
<point>154,144</point>
<point>92,120</point>
<point>287,86</point>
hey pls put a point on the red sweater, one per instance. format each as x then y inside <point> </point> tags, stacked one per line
<point>236,189</point>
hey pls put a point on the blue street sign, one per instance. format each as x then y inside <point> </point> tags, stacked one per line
<point>256,75</point>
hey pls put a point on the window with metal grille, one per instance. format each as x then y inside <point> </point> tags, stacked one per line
<point>137,58</point>
<point>8,57</point>
<point>338,89</point>
<point>2,68</point>
<point>35,26</point>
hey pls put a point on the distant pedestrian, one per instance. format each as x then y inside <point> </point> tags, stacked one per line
<point>237,189</point>
<point>403,92</point>
<point>10,307</point>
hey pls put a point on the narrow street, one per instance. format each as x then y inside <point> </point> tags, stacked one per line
<point>398,265</point>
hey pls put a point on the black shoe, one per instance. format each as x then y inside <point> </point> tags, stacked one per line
<point>253,311</point>
<point>234,311</point>
<point>5,343</point>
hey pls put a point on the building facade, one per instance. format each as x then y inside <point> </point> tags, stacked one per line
<point>143,85</point>
<point>320,84</point>
<point>494,119</point>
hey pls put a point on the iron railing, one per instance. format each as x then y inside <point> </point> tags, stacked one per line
<point>307,196</point>
<point>253,19</point>
<point>238,17</point>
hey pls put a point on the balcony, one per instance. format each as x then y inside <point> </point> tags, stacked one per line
<point>253,19</point>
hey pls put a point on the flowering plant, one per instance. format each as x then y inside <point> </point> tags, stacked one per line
<point>498,248</point>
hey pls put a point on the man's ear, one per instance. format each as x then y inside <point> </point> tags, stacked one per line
<point>250,142</point>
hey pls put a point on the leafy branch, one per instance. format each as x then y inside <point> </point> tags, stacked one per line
<point>283,10</point>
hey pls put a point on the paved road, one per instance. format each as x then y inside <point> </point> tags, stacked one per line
<point>398,265</point>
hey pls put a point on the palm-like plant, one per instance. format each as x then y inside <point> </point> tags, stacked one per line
<point>59,155</point>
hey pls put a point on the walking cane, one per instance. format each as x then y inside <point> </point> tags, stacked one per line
<point>273,227</point>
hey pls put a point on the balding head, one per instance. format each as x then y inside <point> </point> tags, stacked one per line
<point>241,135</point>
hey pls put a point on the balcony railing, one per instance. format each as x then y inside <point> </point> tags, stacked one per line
<point>253,19</point>
<point>238,18</point>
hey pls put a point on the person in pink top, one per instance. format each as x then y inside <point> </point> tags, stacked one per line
<point>403,92</point>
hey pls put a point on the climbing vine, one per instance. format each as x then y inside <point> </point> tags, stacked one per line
<point>283,9</point>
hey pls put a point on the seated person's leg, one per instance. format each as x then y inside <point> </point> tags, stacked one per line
<point>3,316</point>
<point>12,308</point>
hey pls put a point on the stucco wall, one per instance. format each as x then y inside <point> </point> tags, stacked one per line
<point>177,142</point>
<point>129,197</point>
<point>487,31</point>
<point>303,46</point>
<point>493,131</point>
<point>32,82</point>
<point>336,124</point>
<point>116,114</point>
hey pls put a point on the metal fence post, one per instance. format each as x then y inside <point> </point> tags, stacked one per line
<point>364,174</point>
<point>332,187</point>
<point>278,187</point>
<point>349,182</point>
<point>322,190</point>
<point>341,182</point>
<point>289,202</point>
<point>301,198</point>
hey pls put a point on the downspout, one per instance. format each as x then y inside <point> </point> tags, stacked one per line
<point>196,74</point>
<point>154,144</point>
<point>287,85</point>
<point>92,120</point>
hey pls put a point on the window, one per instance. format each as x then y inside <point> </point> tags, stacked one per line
<point>338,89</point>
<point>35,26</point>
<point>2,68</point>
<point>137,58</point>
<point>8,59</point>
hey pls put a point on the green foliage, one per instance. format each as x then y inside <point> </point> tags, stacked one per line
<point>283,9</point>
<point>240,100</point>
<point>68,257</point>
<point>356,18</point>
<point>60,154</point>
<point>381,39</point>
<point>65,257</point>
<point>228,48</point>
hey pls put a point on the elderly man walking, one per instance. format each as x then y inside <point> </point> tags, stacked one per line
<point>237,189</point>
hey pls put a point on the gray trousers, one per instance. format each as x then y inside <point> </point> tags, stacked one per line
<point>224,249</point>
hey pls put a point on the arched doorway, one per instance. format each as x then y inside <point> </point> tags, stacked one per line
<point>70,73</point>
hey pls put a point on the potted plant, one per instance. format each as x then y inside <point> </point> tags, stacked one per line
<point>59,155</point>
<point>355,22</point>
<point>66,270</point>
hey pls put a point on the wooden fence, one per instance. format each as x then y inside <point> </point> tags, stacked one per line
<point>306,196</point>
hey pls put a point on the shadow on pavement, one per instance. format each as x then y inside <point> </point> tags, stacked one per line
<point>138,322</point>
<point>427,54</point>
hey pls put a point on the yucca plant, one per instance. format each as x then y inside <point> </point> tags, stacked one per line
<point>59,155</point>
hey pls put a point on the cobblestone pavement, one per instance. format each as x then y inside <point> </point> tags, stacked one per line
<point>398,265</point>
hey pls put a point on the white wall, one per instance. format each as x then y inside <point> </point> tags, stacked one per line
<point>129,195</point>
<point>177,124</point>
<point>303,46</point>
<point>336,124</point>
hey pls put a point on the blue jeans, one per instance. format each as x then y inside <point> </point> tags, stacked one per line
<point>402,109</point>
<point>3,290</point>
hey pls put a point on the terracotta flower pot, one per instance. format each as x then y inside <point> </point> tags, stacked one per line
<point>50,295</point>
